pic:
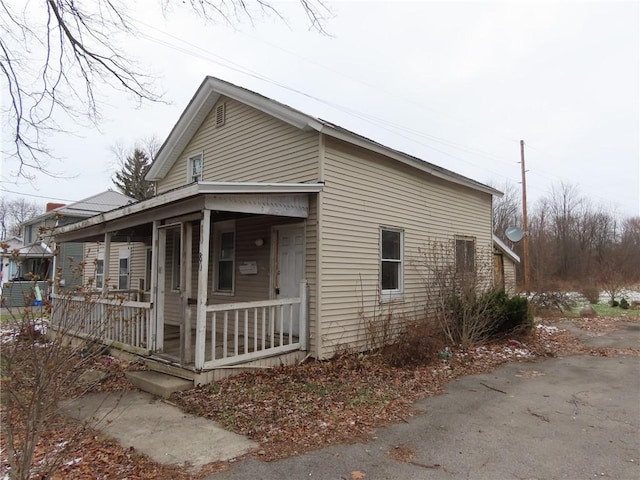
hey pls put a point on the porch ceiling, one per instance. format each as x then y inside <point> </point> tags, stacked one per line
<point>280,199</point>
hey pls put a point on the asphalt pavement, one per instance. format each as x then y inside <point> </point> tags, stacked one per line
<point>576,417</point>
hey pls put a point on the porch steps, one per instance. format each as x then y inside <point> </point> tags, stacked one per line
<point>163,366</point>
<point>157,383</point>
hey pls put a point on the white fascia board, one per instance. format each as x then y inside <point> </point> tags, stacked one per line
<point>199,107</point>
<point>202,188</point>
<point>182,132</point>
<point>266,105</point>
<point>171,196</point>
<point>505,249</point>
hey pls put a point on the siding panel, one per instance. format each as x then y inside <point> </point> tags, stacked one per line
<point>363,192</point>
<point>250,147</point>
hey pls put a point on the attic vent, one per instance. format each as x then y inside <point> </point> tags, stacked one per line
<point>220,115</point>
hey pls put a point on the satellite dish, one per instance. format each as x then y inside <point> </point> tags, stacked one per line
<point>514,234</point>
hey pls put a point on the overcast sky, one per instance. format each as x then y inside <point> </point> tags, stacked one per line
<point>458,84</point>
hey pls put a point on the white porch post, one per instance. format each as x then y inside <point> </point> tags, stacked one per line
<point>105,263</point>
<point>187,239</point>
<point>153,326</point>
<point>160,263</point>
<point>203,282</point>
<point>302,332</point>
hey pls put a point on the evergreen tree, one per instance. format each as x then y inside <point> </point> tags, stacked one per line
<point>130,178</point>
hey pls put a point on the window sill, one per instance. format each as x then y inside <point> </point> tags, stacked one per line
<point>224,294</point>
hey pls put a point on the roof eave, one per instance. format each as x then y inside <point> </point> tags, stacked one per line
<point>422,165</point>
<point>194,189</point>
<point>199,107</point>
<point>505,249</point>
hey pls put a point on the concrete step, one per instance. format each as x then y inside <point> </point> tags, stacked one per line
<point>163,366</point>
<point>157,383</point>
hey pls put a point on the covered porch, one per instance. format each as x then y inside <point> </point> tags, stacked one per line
<point>222,280</point>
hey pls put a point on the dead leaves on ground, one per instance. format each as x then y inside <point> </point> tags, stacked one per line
<point>291,410</point>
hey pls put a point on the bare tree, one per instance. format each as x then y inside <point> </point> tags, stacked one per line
<point>14,212</point>
<point>56,55</point>
<point>565,203</point>
<point>507,211</point>
<point>586,246</point>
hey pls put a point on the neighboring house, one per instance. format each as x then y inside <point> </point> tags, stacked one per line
<point>504,263</point>
<point>8,263</point>
<point>37,256</point>
<point>277,233</point>
<point>35,259</point>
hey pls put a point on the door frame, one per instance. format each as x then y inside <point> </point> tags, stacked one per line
<point>275,238</point>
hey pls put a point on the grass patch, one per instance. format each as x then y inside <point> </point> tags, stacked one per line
<point>605,310</point>
<point>6,318</point>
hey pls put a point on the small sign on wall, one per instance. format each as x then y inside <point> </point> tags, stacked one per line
<point>248,268</point>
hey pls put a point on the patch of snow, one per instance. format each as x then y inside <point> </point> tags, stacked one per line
<point>75,461</point>
<point>630,295</point>
<point>547,328</point>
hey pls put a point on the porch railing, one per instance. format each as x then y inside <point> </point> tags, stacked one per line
<point>241,332</point>
<point>119,323</point>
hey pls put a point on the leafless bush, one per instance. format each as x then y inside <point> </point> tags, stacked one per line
<point>460,297</point>
<point>41,366</point>
<point>591,292</point>
<point>552,302</point>
<point>418,344</point>
<point>380,324</point>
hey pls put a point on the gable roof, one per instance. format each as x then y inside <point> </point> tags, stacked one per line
<point>88,207</point>
<point>210,91</point>
<point>500,245</point>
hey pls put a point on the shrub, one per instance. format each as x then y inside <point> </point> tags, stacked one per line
<point>546,303</point>
<point>614,303</point>
<point>514,313</point>
<point>624,304</point>
<point>591,293</point>
<point>418,344</point>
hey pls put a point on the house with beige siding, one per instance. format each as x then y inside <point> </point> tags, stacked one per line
<point>275,235</point>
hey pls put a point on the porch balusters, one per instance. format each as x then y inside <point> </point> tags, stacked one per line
<point>270,332</point>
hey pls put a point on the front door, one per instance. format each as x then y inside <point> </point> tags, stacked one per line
<point>289,271</point>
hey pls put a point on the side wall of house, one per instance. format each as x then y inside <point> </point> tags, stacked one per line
<point>71,255</point>
<point>509,276</point>
<point>364,192</point>
<point>250,147</point>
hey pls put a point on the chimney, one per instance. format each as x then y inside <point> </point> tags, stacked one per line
<point>53,206</point>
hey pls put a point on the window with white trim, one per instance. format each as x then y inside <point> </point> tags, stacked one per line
<point>176,258</point>
<point>99,273</point>
<point>391,268</point>
<point>123,269</point>
<point>465,254</point>
<point>195,168</point>
<point>224,258</point>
